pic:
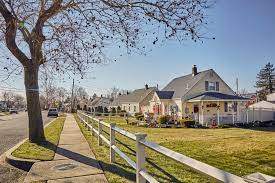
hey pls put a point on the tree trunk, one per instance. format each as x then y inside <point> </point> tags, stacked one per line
<point>36,130</point>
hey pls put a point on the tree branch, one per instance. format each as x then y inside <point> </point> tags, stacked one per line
<point>10,34</point>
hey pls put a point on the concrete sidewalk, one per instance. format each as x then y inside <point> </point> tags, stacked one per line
<point>73,161</point>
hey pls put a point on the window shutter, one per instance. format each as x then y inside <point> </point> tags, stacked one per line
<point>217,86</point>
<point>225,107</point>
<point>206,85</point>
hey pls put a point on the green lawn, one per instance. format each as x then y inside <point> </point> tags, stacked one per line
<point>238,151</point>
<point>46,150</point>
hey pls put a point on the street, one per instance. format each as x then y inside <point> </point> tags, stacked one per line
<point>14,128</point>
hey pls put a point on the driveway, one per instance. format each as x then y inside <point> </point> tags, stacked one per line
<point>14,128</point>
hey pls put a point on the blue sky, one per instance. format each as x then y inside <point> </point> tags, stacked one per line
<point>245,42</point>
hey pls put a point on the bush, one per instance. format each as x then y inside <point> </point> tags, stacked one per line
<point>140,117</point>
<point>164,119</point>
<point>187,123</point>
<point>138,114</point>
<point>224,126</point>
<point>121,114</point>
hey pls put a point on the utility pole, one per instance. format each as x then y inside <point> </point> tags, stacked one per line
<point>72,98</point>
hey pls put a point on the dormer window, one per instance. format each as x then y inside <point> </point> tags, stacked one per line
<point>212,86</point>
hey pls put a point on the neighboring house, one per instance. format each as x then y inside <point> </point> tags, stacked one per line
<point>99,103</point>
<point>137,101</point>
<point>84,103</point>
<point>117,102</point>
<point>203,96</point>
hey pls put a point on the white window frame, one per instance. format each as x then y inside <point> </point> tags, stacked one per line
<point>213,87</point>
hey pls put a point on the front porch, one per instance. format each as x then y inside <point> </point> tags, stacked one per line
<point>216,109</point>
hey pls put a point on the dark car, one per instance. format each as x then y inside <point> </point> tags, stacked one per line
<point>53,112</point>
<point>13,111</point>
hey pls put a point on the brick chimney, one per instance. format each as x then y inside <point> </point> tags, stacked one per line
<point>194,70</point>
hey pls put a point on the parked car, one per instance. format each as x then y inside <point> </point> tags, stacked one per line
<point>53,112</point>
<point>13,111</point>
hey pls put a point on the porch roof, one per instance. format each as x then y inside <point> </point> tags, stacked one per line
<point>215,96</point>
<point>165,94</point>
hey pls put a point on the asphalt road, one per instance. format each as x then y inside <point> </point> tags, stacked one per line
<point>14,128</point>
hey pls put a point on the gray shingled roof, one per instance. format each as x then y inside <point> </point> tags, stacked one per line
<point>100,101</point>
<point>183,84</point>
<point>136,96</point>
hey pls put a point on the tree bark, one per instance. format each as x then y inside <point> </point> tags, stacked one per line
<point>36,130</point>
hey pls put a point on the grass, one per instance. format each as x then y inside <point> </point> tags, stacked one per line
<point>46,150</point>
<point>238,151</point>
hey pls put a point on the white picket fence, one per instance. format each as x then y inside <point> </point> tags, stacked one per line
<point>141,144</point>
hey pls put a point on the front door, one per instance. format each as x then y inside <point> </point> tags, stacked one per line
<point>196,112</point>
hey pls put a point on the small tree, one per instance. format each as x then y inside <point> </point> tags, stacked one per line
<point>266,81</point>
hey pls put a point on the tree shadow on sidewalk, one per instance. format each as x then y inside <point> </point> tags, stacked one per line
<point>89,161</point>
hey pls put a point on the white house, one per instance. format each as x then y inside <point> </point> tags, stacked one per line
<point>203,96</point>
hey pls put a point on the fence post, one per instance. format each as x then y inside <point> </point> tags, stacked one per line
<point>112,142</point>
<point>85,119</point>
<point>99,132</point>
<point>140,155</point>
<point>92,124</point>
<point>88,119</point>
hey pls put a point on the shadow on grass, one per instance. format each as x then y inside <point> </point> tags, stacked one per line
<point>263,129</point>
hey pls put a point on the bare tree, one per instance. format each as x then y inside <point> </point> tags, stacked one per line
<point>8,97</point>
<point>19,101</point>
<point>69,35</point>
<point>48,87</point>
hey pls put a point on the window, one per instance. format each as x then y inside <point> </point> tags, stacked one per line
<point>129,108</point>
<point>135,108</point>
<point>124,108</point>
<point>212,86</point>
<point>225,107</point>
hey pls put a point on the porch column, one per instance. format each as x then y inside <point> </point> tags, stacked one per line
<point>202,120</point>
<point>233,113</point>
<point>238,112</point>
<point>218,113</point>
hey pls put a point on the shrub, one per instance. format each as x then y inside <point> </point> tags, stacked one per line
<point>121,114</point>
<point>140,117</point>
<point>138,114</point>
<point>163,119</point>
<point>224,126</point>
<point>188,123</point>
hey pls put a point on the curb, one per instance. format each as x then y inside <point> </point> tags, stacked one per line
<point>21,163</point>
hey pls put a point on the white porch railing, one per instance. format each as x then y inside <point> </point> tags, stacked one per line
<point>141,144</point>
